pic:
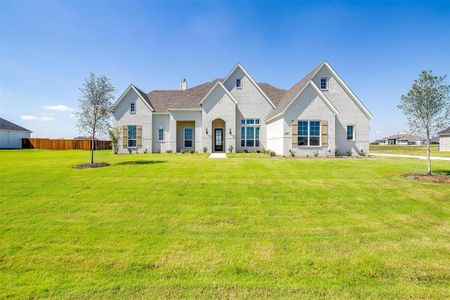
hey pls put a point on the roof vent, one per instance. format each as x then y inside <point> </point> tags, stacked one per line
<point>183,85</point>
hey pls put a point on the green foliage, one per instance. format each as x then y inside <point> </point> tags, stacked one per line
<point>230,149</point>
<point>95,103</point>
<point>427,106</point>
<point>292,152</point>
<point>114,136</point>
<point>181,226</point>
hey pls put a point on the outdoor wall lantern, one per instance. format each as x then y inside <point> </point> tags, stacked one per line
<point>230,132</point>
<point>206,131</point>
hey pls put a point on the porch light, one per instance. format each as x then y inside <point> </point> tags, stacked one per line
<point>207,131</point>
<point>230,132</point>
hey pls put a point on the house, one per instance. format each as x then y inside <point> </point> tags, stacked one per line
<point>316,116</point>
<point>444,140</point>
<point>11,135</point>
<point>403,139</point>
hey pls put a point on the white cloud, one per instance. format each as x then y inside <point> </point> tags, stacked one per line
<point>28,117</point>
<point>59,107</point>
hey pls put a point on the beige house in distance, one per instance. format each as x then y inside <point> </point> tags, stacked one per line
<point>316,116</point>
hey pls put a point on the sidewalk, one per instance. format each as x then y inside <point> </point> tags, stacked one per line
<point>409,156</point>
<point>217,155</point>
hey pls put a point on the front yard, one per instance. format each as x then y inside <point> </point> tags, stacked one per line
<point>166,225</point>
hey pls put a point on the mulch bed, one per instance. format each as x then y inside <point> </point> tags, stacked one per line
<point>435,178</point>
<point>90,166</point>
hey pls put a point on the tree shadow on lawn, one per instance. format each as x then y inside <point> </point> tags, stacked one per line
<point>442,171</point>
<point>140,162</point>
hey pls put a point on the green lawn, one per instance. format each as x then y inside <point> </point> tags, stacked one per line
<point>251,226</point>
<point>409,150</point>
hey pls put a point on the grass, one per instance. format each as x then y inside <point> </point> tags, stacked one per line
<point>409,150</point>
<point>184,226</point>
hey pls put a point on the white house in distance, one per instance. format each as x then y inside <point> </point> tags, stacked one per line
<point>444,140</point>
<point>11,135</point>
<point>316,116</point>
<point>403,139</point>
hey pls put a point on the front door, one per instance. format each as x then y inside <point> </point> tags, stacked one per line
<point>218,139</point>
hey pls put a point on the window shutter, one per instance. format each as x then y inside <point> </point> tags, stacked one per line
<point>138,136</point>
<point>125,136</point>
<point>324,125</point>
<point>294,127</point>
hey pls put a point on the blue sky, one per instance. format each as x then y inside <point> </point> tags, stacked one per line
<point>47,48</point>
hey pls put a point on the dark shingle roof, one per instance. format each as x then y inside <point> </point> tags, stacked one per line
<point>445,131</point>
<point>275,94</point>
<point>406,137</point>
<point>289,94</point>
<point>163,100</point>
<point>4,124</point>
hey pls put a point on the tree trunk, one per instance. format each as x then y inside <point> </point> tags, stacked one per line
<point>92,150</point>
<point>428,159</point>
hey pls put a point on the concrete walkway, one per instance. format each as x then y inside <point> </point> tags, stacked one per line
<point>218,155</point>
<point>410,156</point>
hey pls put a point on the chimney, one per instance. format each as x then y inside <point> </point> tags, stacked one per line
<point>183,85</point>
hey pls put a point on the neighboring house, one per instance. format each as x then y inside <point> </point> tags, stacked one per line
<point>317,116</point>
<point>11,135</point>
<point>444,140</point>
<point>434,140</point>
<point>403,139</point>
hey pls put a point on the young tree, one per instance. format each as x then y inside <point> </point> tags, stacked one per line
<point>95,107</point>
<point>427,107</point>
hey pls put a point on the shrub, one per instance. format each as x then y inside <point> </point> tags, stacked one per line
<point>230,149</point>
<point>258,151</point>
<point>245,151</point>
<point>130,150</point>
<point>292,152</point>
<point>272,153</point>
<point>349,152</point>
<point>362,153</point>
<point>114,135</point>
<point>192,151</point>
<point>205,149</point>
<point>316,154</point>
<point>336,152</point>
<point>168,151</point>
<point>145,151</point>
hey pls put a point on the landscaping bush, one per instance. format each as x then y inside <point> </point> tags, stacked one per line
<point>292,152</point>
<point>230,149</point>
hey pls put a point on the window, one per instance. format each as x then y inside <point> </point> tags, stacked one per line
<point>308,133</point>
<point>350,132</point>
<point>133,107</point>
<point>188,137</point>
<point>250,132</point>
<point>303,133</point>
<point>238,83</point>
<point>323,83</point>
<point>131,136</point>
<point>161,134</point>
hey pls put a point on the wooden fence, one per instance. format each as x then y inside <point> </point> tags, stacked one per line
<point>63,144</point>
